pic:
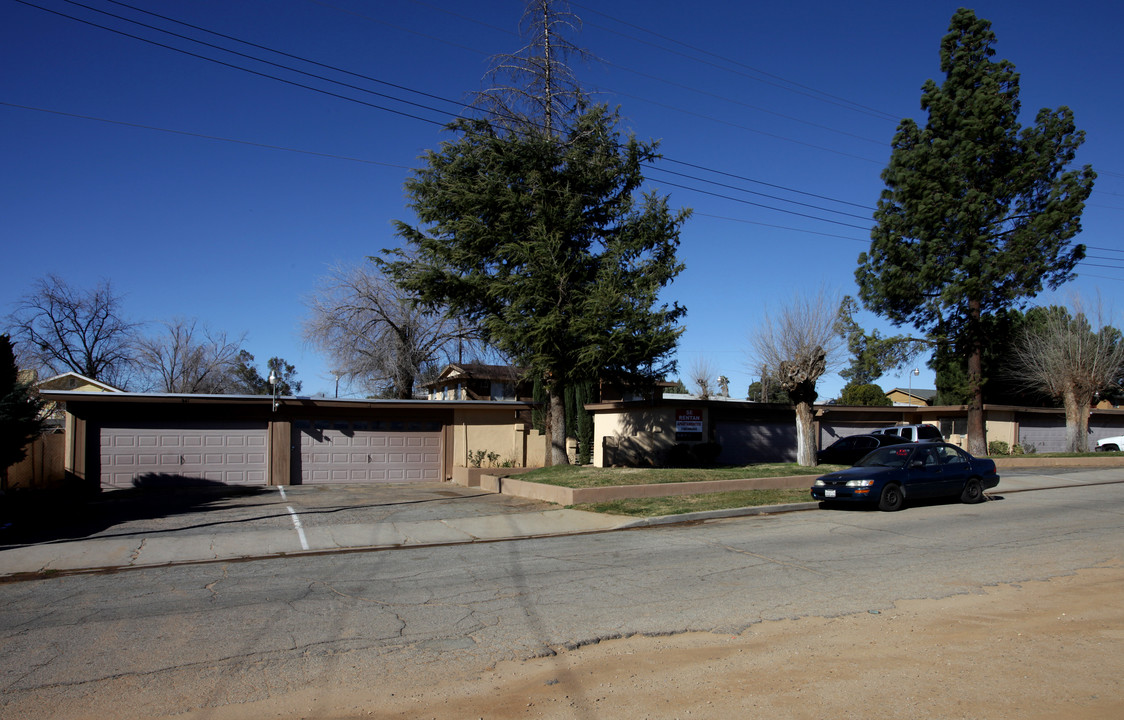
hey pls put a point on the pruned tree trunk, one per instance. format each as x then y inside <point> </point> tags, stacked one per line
<point>798,378</point>
<point>805,435</point>
<point>1076,421</point>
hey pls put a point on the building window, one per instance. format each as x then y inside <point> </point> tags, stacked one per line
<point>954,426</point>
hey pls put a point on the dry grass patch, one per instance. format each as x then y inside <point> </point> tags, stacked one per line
<point>679,504</point>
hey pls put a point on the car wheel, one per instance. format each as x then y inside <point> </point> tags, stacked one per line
<point>973,492</point>
<point>892,498</point>
<point>1109,448</point>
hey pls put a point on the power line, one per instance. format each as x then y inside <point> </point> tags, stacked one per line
<point>320,77</point>
<point>751,192</point>
<point>207,137</point>
<point>247,56</point>
<point>811,92</point>
<point>231,65</point>
<point>641,98</point>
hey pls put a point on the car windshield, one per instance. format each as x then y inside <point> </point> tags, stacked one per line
<point>893,457</point>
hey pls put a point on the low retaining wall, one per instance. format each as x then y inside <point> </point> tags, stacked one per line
<point>1030,461</point>
<point>578,496</point>
<point>487,479</point>
<point>470,476</point>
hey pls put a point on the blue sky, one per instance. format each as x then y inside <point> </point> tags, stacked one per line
<point>798,100</point>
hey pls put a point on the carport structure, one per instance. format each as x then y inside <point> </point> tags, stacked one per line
<point>136,439</point>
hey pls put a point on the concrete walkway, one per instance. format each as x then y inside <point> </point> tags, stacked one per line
<point>96,554</point>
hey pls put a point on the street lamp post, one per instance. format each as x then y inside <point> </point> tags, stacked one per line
<point>273,387</point>
<point>909,392</point>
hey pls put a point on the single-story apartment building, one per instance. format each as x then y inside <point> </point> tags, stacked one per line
<point>117,440</point>
<point>644,433</point>
<point>121,439</point>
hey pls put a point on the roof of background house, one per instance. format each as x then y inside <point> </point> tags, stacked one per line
<point>919,393</point>
<point>76,381</point>
<point>477,371</point>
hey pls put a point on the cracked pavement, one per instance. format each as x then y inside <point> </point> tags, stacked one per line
<point>188,638</point>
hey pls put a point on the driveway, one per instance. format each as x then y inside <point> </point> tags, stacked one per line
<point>206,510</point>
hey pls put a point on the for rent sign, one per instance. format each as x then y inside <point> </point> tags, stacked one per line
<point>688,425</point>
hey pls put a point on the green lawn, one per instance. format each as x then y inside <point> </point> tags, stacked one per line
<point>572,476</point>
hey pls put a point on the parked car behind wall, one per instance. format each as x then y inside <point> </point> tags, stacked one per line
<point>849,450</point>
<point>913,433</point>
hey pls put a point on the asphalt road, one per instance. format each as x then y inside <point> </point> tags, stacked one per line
<point>149,643</point>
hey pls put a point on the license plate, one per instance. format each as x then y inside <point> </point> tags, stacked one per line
<point>829,493</point>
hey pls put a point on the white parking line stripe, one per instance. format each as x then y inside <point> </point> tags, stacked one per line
<point>282,489</point>
<point>300,530</point>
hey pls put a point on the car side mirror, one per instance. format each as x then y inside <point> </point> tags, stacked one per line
<point>917,464</point>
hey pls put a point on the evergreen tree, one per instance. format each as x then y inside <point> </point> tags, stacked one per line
<point>872,355</point>
<point>978,212</point>
<point>866,394</point>
<point>540,241</point>
<point>19,412</point>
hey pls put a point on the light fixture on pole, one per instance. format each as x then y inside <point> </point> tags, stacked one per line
<point>912,373</point>
<point>273,386</point>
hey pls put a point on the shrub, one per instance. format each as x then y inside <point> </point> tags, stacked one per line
<point>706,453</point>
<point>998,447</point>
<point>680,456</point>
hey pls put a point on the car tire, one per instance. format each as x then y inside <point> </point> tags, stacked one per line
<point>973,492</point>
<point>1109,448</point>
<point>891,499</point>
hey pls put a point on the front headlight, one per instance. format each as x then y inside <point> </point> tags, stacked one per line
<point>819,482</point>
<point>859,483</point>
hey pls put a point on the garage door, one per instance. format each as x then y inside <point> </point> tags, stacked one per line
<point>744,443</point>
<point>368,452</point>
<point>230,453</point>
<point>830,432</point>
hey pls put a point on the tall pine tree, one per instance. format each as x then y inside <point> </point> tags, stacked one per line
<point>978,212</point>
<point>540,240</point>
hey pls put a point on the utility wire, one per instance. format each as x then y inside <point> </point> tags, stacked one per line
<point>752,192</point>
<point>72,2</point>
<point>231,65</point>
<point>811,92</point>
<point>631,70</point>
<point>250,57</point>
<point>207,137</point>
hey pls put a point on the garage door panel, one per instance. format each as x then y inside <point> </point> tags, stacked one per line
<point>365,452</point>
<point>229,453</point>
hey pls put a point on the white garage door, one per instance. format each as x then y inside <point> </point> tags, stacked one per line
<point>230,453</point>
<point>368,452</point>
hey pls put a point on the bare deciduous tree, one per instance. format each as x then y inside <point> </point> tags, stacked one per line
<point>188,358</point>
<point>373,333</point>
<point>61,328</point>
<point>702,375</point>
<point>1063,357</point>
<point>800,341</point>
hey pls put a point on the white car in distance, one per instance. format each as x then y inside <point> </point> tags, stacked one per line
<point>1111,444</point>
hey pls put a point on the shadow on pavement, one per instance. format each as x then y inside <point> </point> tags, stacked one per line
<point>45,516</point>
<point>909,504</point>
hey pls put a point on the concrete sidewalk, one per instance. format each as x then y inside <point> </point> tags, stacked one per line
<point>174,548</point>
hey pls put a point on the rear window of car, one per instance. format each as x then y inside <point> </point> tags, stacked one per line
<point>928,432</point>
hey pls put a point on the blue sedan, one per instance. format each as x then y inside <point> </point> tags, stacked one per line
<point>891,475</point>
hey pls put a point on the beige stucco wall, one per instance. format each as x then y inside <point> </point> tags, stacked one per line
<point>1001,425</point>
<point>653,430</point>
<point>500,433</point>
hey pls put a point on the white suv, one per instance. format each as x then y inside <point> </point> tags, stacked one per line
<point>1111,444</point>
<point>913,433</point>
